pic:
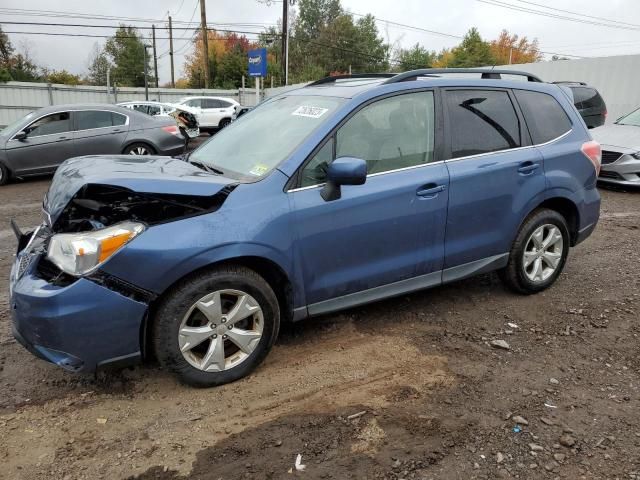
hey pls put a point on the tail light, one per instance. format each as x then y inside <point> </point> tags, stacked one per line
<point>605,114</point>
<point>593,152</point>
<point>172,129</point>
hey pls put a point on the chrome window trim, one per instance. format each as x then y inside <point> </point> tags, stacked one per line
<point>511,149</point>
<point>72,131</point>
<point>299,189</point>
<point>421,165</point>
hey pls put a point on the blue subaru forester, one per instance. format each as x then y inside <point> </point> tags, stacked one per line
<point>344,192</point>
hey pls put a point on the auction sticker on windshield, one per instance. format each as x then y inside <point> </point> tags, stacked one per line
<point>311,112</point>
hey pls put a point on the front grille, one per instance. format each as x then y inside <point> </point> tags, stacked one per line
<point>23,264</point>
<point>609,156</point>
<point>612,175</point>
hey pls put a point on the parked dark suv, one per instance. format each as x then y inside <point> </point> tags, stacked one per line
<point>368,188</point>
<point>588,101</point>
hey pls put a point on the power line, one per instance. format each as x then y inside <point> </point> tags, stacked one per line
<point>579,14</point>
<point>497,3</point>
<point>60,34</point>
<point>84,25</point>
<point>411,27</point>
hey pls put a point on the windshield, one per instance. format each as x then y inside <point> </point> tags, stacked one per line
<point>9,128</point>
<point>256,143</point>
<point>632,118</point>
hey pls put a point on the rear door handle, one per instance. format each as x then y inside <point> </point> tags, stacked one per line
<point>527,168</point>
<point>429,190</point>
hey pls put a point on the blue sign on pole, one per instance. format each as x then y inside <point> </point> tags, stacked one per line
<point>258,62</point>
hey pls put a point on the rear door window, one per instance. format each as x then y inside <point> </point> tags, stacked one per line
<point>51,124</point>
<point>211,103</point>
<point>545,118</point>
<point>481,121</point>
<point>118,119</point>
<point>88,119</point>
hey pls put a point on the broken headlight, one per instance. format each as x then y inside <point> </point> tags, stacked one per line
<point>81,253</point>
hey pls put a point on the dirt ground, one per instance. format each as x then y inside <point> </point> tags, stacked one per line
<point>408,388</point>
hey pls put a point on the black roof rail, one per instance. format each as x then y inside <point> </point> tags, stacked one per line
<point>485,73</point>
<point>569,81</point>
<point>333,79</point>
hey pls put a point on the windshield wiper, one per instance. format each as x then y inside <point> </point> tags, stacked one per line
<point>206,167</point>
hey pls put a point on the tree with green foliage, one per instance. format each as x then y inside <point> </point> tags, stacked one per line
<point>472,52</point>
<point>414,57</point>
<point>126,52</point>
<point>61,76</point>
<point>15,66</point>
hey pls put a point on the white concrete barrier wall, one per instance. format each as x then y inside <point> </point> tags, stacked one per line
<point>19,98</point>
<point>616,78</point>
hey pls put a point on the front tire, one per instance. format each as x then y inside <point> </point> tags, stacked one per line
<point>217,326</point>
<point>538,253</point>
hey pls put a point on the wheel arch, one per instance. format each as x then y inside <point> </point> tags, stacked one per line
<point>565,207</point>
<point>268,269</point>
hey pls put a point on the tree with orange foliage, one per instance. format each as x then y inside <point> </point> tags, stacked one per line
<point>227,60</point>
<point>521,50</point>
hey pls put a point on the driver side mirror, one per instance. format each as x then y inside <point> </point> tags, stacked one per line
<point>343,171</point>
<point>20,135</point>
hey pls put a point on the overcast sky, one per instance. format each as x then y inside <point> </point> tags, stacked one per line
<point>451,16</point>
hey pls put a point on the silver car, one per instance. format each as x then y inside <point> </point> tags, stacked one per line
<point>620,150</point>
<point>39,142</point>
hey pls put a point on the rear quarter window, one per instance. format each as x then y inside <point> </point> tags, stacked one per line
<point>584,97</point>
<point>544,116</point>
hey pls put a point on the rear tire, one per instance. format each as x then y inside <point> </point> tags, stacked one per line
<point>229,311</point>
<point>5,175</point>
<point>139,149</point>
<point>224,122</point>
<point>538,253</point>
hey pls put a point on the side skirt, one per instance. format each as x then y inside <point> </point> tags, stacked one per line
<point>404,286</point>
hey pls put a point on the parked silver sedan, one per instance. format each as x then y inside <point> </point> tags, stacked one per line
<point>620,150</point>
<point>39,142</point>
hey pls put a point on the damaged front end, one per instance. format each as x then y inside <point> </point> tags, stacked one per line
<point>60,295</point>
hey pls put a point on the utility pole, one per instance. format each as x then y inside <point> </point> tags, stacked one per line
<point>285,41</point>
<point>146,83</point>
<point>510,54</point>
<point>205,43</point>
<point>173,83</point>
<point>155,55</point>
<point>108,84</point>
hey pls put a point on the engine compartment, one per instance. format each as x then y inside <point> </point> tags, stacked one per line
<point>96,206</point>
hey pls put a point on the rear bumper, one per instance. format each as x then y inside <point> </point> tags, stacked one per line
<point>79,327</point>
<point>173,151</point>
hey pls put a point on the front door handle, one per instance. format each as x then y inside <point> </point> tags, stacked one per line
<point>429,190</point>
<point>528,167</point>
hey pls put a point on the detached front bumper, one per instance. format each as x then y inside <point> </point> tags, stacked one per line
<point>80,326</point>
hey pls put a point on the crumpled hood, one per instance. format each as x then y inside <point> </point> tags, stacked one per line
<point>625,136</point>
<point>143,174</point>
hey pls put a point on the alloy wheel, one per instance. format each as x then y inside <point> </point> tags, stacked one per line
<point>542,253</point>
<point>140,150</point>
<point>221,330</point>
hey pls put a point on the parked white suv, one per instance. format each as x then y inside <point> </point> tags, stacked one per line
<point>212,112</point>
